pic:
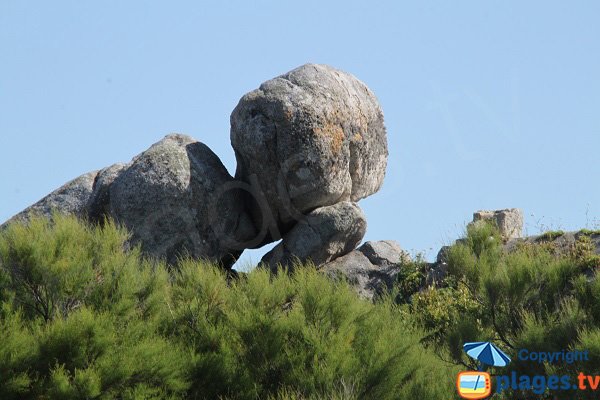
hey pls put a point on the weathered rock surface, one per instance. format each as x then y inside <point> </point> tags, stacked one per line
<point>166,197</point>
<point>98,205</point>
<point>310,138</point>
<point>170,197</point>
<point>324,234</point>
<point>509,221</point>
<point>71,198</point>
<point>309,144</point>
<point>371,269</point>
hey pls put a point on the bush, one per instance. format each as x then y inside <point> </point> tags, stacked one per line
<point>82,316</point>
<point>536,297</point>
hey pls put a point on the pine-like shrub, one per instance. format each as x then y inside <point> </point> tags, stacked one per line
<point>82,316</point>
<point>536,297</point>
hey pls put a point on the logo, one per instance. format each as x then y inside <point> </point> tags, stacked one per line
<point>478,384</point>
<point>473,385</point>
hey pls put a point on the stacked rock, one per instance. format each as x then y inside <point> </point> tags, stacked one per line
<point>309,144</point>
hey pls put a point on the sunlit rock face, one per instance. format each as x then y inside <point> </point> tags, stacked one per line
<point>312,137</point>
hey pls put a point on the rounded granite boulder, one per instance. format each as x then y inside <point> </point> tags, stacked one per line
<point>170,197</point>
<point>312,137</point>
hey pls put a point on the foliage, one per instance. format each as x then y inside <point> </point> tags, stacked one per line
<point>82,317</point>
<point>535,297</point>
<point>551,235</point>
<point>411,278</point>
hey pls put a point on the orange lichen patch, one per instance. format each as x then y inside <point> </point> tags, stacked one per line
<point>357,137</point>
<point>288,114</point>
<point>335,133</point>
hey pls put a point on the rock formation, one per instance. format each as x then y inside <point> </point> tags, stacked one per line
<point>309,145</point>
<point>371,269</point>
<point>310,138</point>
<point>324,234</point>
<point>71,198</point>
<point>168,197</point>
<point>509,221</point>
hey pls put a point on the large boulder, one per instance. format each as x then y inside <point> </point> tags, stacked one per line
<point>324,234</point>
<point>71,198</point>
<point>171,200</point>
<point>310,138</point>
<point>371,269</point>
<point>176,199</point>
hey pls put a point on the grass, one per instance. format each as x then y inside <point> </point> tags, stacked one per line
<point>550,235</point>
<point>589,232</point>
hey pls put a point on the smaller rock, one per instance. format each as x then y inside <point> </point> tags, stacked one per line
<point>371,269</point>
<point>71,198</point>
<point>384,252</point>
<point>324,234</point>
<point>435,273</point>
<point>442,255</point>
<point>509,221</point>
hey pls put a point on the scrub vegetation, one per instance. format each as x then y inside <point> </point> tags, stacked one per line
<point>82,316</point>
<point>539,297</point>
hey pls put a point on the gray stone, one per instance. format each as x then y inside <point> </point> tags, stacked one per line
<point>171,199</point>
<point>371,269</point>
<point>384,252</point>
<point>324,234</point>
<point>509,221</point>
<point>442,255</point>
<point>310,138</point>
<point>71,198</point>
<point>176,199</point>
<point>435,273</point>
<point>98,207</point>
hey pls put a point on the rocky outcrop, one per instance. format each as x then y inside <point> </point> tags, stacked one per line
<point>167,199</point>
<point>371,269</point>
<point>509,221</point>
<point>310,138</point>
<point>309,144</point>
<point>71,198</point>
<point>321,236</point>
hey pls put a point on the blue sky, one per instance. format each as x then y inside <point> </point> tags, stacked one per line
<point>488,104</point>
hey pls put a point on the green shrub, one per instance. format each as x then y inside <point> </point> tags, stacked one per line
<point>550,235</point>
<point>411,278</point>
<point>536,297</point>
<point>82,316</point>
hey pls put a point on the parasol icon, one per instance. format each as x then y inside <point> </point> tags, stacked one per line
<point>486,353</point>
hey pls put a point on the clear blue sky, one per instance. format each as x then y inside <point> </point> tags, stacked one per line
<point>488,104</point>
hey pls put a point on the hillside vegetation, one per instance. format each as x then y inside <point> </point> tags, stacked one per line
<point>82,316</point>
